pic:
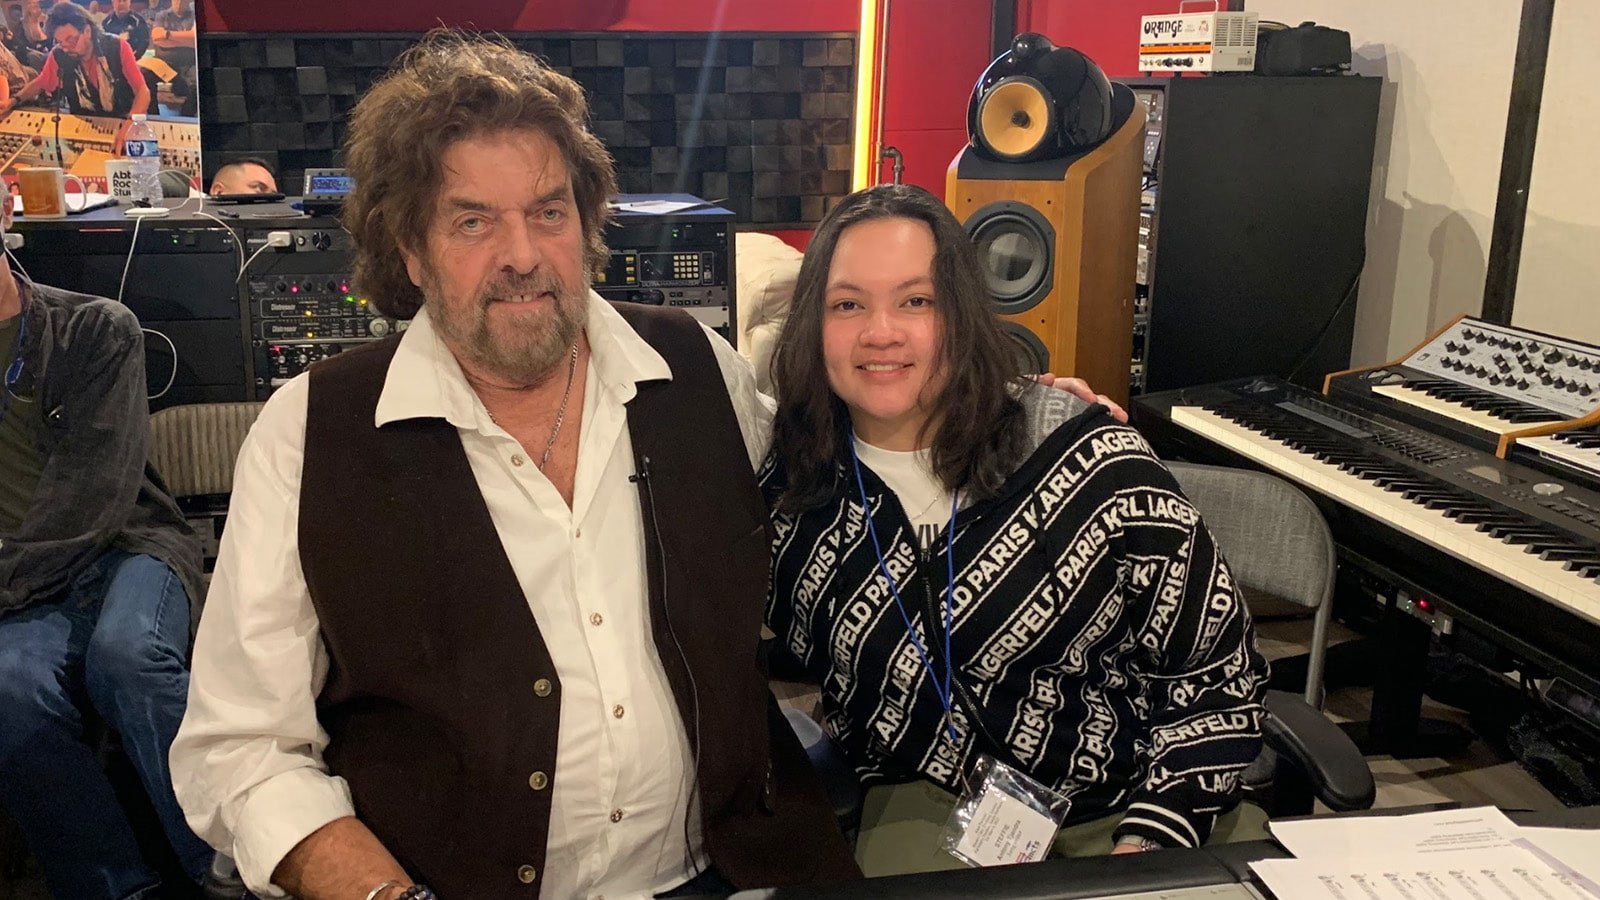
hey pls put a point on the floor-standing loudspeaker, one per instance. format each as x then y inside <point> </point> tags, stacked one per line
<point>1058,237</point>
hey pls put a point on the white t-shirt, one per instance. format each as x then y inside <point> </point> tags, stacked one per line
<point>910,475</point>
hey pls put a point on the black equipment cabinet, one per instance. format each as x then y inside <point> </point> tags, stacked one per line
<point>1255,226</point>
<point>179,283</point>
<point>183,282</point>
<point>238,335</point>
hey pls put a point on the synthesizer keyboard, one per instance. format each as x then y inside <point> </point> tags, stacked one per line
<point>1508,390</point>
<point>1508,545</point>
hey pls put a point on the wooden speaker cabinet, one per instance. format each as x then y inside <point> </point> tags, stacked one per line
<point>1059,240</point>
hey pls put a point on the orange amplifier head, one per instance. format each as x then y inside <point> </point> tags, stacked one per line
<point>1198,42</point>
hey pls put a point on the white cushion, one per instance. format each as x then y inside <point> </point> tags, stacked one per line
<point>767,268</point>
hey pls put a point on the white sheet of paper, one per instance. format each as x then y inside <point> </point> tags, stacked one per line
<point>1344,837</point>
<point>1577,848</point>
<point>74,201</point>
<point>656,207</point>
<point>1004,830</point>
<point>1492,873</point>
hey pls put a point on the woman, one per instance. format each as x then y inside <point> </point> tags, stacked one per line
<point>1030,585</point>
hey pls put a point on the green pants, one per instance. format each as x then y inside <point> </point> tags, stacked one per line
<point>901,826</point>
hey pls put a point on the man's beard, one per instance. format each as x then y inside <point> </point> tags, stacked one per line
<point>523,352</point>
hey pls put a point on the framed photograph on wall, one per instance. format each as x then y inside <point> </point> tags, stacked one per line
<point>76,71</point>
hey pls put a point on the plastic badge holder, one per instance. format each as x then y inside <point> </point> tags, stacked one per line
<point>1004,817</point>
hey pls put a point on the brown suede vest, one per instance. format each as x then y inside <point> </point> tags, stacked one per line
<point>441,700</point>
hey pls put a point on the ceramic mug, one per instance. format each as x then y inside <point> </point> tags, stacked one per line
<point>119,180</point>
<point>44,192</point>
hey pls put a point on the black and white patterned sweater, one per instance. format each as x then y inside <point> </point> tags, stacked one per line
<point>1096,626</point>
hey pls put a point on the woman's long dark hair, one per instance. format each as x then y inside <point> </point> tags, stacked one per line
<point>978,427</point>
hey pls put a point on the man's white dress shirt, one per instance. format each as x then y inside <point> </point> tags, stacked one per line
<point>247,763</point>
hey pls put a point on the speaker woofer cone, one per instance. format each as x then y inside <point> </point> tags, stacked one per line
<point>1016,247</point>
<point>1015,118</point>
<point>1030,353</point>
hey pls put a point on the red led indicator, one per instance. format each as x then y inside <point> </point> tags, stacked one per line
<point>1424,605</point>
<point>294,288</point>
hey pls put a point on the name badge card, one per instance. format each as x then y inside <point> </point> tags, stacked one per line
<point>1004,817</point>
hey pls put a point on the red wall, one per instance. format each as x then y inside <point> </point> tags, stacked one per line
<point>530,15</point>
<point>1107,32</point>
<point>936,51</point>
<point>799,238</point>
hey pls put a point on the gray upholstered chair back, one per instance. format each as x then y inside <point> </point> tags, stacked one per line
<point>194,446</point>
<point>1276,543</point>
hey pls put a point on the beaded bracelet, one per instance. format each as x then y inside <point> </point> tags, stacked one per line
<point>414,892</point>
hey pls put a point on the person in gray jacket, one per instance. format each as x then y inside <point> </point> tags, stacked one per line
<point>99,577</point>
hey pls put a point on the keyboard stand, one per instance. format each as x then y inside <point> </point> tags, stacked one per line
<point>1396,727</point>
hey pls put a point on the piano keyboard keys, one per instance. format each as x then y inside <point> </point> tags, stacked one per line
<point>1500,541</point>
<point>1469,406</point>
<point>1575,448</point>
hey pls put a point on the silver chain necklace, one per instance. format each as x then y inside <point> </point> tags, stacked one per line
<point>561,414</point>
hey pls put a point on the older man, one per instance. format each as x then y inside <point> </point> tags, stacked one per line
<point>486,611</point>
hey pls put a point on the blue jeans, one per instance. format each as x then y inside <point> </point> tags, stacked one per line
<point>118,642</point>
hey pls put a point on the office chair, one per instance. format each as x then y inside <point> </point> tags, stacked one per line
<point>1281,553</point>
<point>1276,543</point>
<point>193,446</point>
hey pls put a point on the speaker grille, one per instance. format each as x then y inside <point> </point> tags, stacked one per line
<point>1016,247</point>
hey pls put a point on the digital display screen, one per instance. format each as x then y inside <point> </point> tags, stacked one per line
<point>329,184</point>
<point>1495,475</point>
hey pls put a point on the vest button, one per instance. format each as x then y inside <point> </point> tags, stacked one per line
<point>542,687</point>
<point>538,781</point>
<point>616,815</point>
<point>617,711</point>
<point>527,874</point>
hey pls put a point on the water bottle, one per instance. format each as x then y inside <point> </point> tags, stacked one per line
<point>143,153</point>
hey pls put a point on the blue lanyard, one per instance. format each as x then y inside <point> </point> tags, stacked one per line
<point>14,371</point>
<point>943,690</point>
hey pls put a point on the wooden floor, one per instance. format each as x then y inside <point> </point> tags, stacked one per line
<point>1478,776</point>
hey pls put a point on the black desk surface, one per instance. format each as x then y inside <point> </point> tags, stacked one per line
<point>185,210</point>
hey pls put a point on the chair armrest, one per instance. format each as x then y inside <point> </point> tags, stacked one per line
<point>833,769</point>
<point>1330,761</point>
